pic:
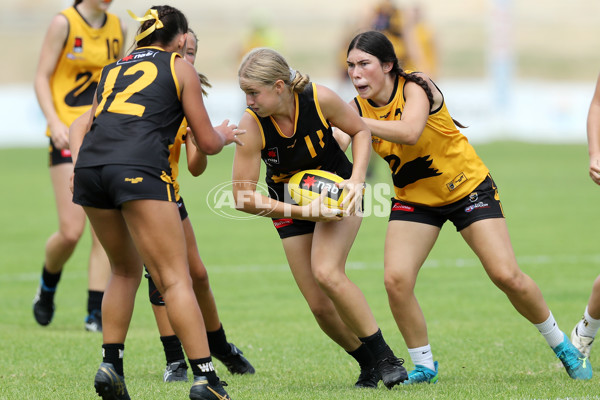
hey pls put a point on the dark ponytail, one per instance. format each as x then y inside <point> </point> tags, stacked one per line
<point>379,46</point>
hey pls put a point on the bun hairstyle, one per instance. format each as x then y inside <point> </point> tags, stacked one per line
<point>160,25</point>
<point>267,66</point>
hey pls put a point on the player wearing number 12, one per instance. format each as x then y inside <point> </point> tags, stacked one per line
<point>123,181</point>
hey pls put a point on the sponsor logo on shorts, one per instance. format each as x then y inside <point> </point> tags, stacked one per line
<point>65,153</point>
<point>134,180</point>
<point>473,197</point>
<point>472,207</point>
<point>283,222</point>
<point>402,207</point>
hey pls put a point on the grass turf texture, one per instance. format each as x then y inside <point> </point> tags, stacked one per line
<point>485,349</point>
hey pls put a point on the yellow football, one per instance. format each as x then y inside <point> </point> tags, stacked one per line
<point>305,186</point>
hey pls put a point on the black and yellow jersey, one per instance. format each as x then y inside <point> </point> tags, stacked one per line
<point>139,112</point>
<point>312,146</point>
<point>85,52</point>
<point>175,154</point>
<point>441,168</point>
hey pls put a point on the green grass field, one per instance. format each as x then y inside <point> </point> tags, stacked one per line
<point>485,349</point>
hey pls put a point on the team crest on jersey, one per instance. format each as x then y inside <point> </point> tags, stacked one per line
<point>78,45</point>
<point>459,180</point>
<point>272,156</point>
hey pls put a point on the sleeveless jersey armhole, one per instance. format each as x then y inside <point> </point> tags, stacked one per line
<point>318,106</point>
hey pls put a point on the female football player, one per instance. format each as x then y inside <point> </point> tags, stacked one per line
<point>289,125</point>
<point>123,181</point>
<point>80,41</point>
<point>227,353</point>
<point>437,176</point>
<point>585,331</point>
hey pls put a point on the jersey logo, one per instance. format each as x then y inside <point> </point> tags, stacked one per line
<point>412,171</point>
<point>78,45</point>
<point>292,145</point>
<point>272,156</point>
<point>137,56</point>
<point>456,182</point>
<point>134,180</point>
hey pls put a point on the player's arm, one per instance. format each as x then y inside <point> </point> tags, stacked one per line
<point>79,128</point>
<point>52,47</point>
<point>409,128</point>
<point>210,140</point>
<point>593,134</point>
<point>342,138</point>
<point>342,116</point>
<point>246,171</point>
<point>196,159</point>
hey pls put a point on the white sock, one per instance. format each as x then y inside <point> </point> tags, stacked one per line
<point>422,356</point>
<point>588,326</point>
<point>550,332</point>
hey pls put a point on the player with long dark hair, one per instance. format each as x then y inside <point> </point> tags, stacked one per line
<point>437,176</point>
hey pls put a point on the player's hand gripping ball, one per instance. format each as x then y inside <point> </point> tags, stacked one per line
<point>306,186</point>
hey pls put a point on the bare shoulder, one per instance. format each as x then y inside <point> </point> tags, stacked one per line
<point>59,26</point>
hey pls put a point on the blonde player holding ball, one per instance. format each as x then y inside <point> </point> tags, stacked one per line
<point>288,125</point>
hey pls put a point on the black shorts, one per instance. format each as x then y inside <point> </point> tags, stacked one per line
<point>288,227</point>
<point>482,203</point>
<point>181,207</point>
<point>56,156</point>
<point>109,186</point>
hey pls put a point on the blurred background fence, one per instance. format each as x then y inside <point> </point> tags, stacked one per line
<point>509,69</point>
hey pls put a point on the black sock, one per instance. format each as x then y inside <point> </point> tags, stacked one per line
<point>377,345</point>
<point>217,342</point>
<point>113,353</point>
<point>204,367</point>
<point>94,300</point>
<point>172,347</point>
<point>49,280</point>
<point>363,356</point>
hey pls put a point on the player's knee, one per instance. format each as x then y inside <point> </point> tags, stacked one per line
<point>509,281</point>
<point>153,292</point>
<point>329,282</point>
<point>200,279</point>
<point>395,283</point>
<point>70,237</point>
